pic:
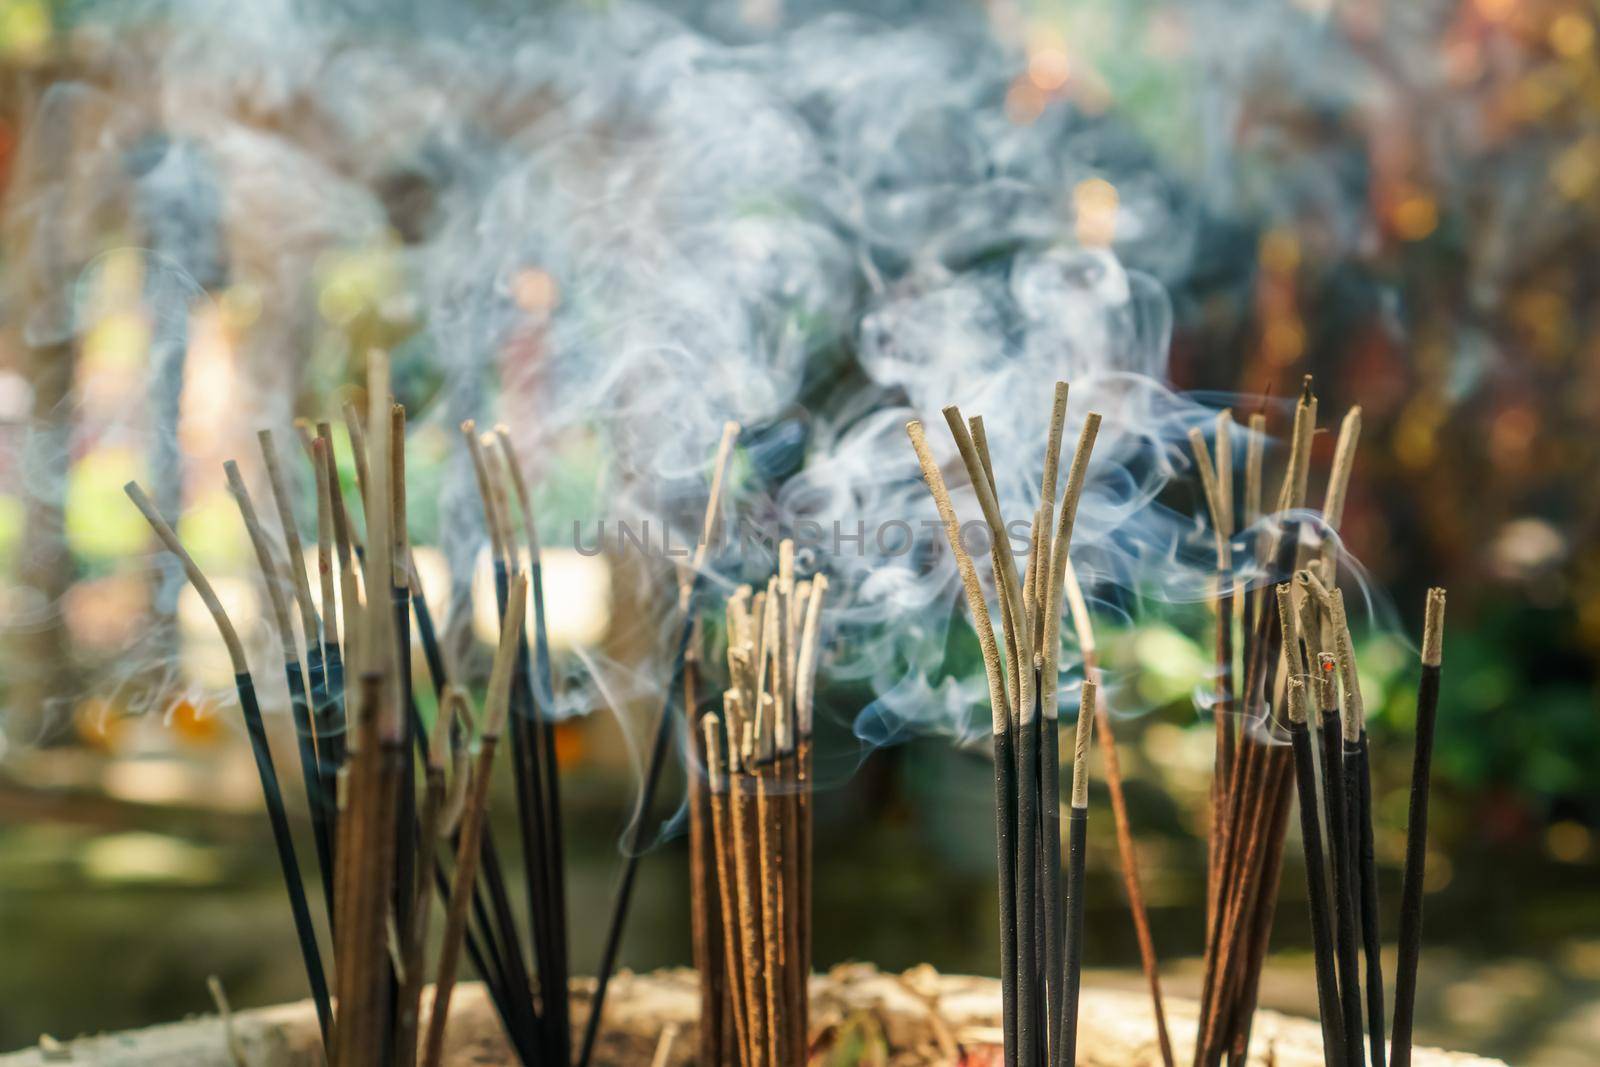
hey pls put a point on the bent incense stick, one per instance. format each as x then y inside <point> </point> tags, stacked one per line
<point>999,704</point>
<point>277,815</point>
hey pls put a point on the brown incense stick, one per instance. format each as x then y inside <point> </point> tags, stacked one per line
<point>712,733</point>
<point>497,702</point>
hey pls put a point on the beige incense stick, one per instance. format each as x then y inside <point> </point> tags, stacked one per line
<point>325,581</point>
<point>1255,449</point>
<point>1221,514</point>
<point>1344,458</point>
<point>1013,607</point>
<point>787,646</point>
<point>277,598</point>
<point>708,527</point>
<point>378,645</point>
<point>1224,439</point>
<point>519,485</point>
<point>480,468</point>
<point>400,544</point>
<point>806,665</point>
<point>1006,565</point>
<point>1080,748</point>
<point>354,425</point>
<point>202,587</point>
<point>344,541</point>
<point>291,538</point>
<point>1297,471</point>
<point>1060,564</point>
<point>976,603</point>
<point>494,464</point>
<point>1048,480</point>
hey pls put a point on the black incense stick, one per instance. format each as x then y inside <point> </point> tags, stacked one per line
<point>282,839</point>
<point>284,842</point>
<point>1077,838</point>
<point>1004,754</point>
<point>1335,812</point>
<point>1367,869</point>
<point>1316,878</point>
<point>1405,978</point>
<point>536,700</point>
<point>312,773</point>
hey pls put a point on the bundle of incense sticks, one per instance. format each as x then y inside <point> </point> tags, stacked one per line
<point>758,846</point>
<point>388,840</point>
<point>1040,923</point>
<point>1296,725</point>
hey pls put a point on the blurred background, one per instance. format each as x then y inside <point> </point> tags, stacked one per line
<point>1400,198</point>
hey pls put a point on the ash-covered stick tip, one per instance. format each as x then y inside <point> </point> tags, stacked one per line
<point>1327,665</point>
<point>1355,711</point>
<point>1287,621</point>
<point>1433,629</point>
<point>1306,395</point>
<point>1297,699</point>
<point>1080,751</point>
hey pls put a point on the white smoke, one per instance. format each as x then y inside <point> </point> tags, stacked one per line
<point>820,225</point>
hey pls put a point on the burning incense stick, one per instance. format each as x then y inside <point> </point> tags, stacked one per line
<point>658,752</point>
<point>496,706</point>
<point>1405,978</point>
<point>276,813</point>
<point>1022,699</point>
